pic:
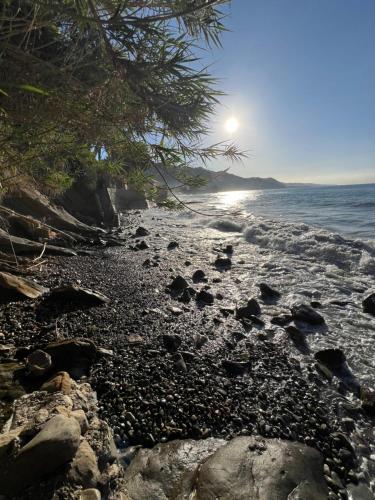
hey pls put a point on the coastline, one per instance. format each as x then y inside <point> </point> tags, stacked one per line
<point>278,394</point>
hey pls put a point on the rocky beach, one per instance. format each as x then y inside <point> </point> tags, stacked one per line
<point>195,356</point>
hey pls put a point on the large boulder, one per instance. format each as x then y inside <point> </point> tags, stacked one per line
<point>245,468</point>
<point>55,445</point>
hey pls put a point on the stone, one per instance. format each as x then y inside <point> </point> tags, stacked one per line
<point>244,468</point>
<point>333,359</point>
<point>79,294</point>
<point>205,297</point>
<point>72,355</point>
<point>81,418</point>
<point>88,494</point>
<point>179,283</point>
<point>200,340</point>
<point>267,292</point>
<point>38,362</point>
<point>172,245</point>
<point>83,469</point>
<point>367,397</point>
<point>198,276</point>
<point>142,245</point>
<point>298,338</point>
<point>55,445</point>
<point>7,443</point>
<point>141,231</point>
<point>171,342</point>
<point>176,311</point>
<point>281,319</point>
<point>60,382</point>
<point>235,368</point>
<point>13,286</point>
<point>368,304</point>
<point>251,309</point>
<point>223,263</point>
<point>305,313</point>
<point>179,363</point>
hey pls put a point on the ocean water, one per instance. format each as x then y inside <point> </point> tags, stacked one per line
<point>312,244</point>
<point>349,210</point>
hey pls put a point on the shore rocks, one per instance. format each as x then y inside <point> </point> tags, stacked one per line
<point>178,284</point>
<point>241,468</point>
<point>84,469</point>
<point>72,355</point>
<point>368,304</point>
<point>52,447</point>
<point>198,276</point>
<point>334,359</point>
<point>223,263</point>
<point>61,381</point>
<point>205,297</point>
<point>305,313</point>
<point>141,231</point>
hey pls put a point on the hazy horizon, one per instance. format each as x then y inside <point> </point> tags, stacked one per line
<point>300,79</point>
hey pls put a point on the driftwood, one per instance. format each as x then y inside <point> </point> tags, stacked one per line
<point>24,246</point>
<point>15,285</point>
<point>28,201</point>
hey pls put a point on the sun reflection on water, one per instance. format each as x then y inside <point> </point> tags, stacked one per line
<point>232,198</point>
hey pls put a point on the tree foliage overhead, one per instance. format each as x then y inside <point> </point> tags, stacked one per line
<point>83,77</point>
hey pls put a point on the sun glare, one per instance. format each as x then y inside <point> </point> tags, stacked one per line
<point>231,125</point>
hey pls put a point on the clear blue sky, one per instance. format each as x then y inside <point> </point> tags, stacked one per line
<point>300,75</point>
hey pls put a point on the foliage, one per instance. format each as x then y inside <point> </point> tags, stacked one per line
<point>83,77</point>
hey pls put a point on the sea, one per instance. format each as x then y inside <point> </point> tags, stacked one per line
<point>315,245</point>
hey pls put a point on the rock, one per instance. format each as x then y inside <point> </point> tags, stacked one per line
<point>235,368</point>
<point>55,445</point>
<point>333,359</point>
<point>12,286</point>
<point>198,276</point>
<point>134,339</point>
<point>223,263</point>
<point>189,357</point>
<point>228,250</point>
<point>268,292</point>
<point>200,340</point>
<point>205,297</point>
<point>244,468</point>
<point>168,470</point>
<point>304,312</point>
<point>8,443</point>
<point>368,304</point>
<point>171,342</point>
<point>141,231</point>
<point>10,384</point>
<point>298,338</point>
<point>60,382</point>
<point>251,309</point>
<point>172,245</point>
<point>179,363</point>
<point>367,397</point>
<point>38,362</point>
<point>78,294</point>
<point>89,494</point>
<point>80,416</point>
<point>179,283</point>
<point>83,470</point>
<point>142,245</point>
<point>72,355</point>
<point>176,311</point>
<point>282,319</point>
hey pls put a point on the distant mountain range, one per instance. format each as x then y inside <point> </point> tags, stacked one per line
<point>220,181</point>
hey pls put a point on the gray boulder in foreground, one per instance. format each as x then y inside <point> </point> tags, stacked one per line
<point>244,468</point>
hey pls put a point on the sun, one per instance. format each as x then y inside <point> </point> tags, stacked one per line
<point>231,125</point>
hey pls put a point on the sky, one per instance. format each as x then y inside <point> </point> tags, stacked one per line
<point>300,79</point>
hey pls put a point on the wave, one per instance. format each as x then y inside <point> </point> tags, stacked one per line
<point>299,239</point>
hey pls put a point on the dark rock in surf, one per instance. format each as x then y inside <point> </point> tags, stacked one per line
<point>198,276</point>
<point>334,359</point>
<point>205,297</point>
<point>368,304</point>
<point>172,245</point>
<point>251,309</point>
<point>303,312</point>
<point>178,284</point>
<point>298,338</point>
<point>282,319</point>
<point>223,263</point>
<point>141,231</point>
<point>267,292</point>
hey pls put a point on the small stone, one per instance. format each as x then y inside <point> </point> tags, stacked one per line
<point>251,309</point>
<point>282,319</point>
<point>304,312</point>
<point>38,362</point>
<point>200,340</point>
<point>141,231</point>
<point>179,283</point>
<point>205,297</point>
<point>223,263</point>
<point>268,292</point>
<point>142,245</point>
<point>198,276</point>
<point>179,363</point>
<point>171,342</point>
<point>172,245</point>
<point>331,358</point>
<point>176,311</point>
<point>60,382</point>
<point>368,304</point>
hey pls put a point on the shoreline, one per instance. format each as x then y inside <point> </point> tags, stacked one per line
<point>149,393</point>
